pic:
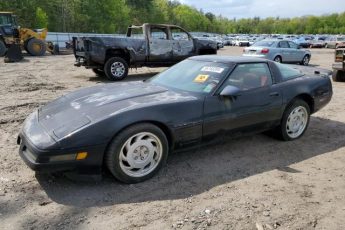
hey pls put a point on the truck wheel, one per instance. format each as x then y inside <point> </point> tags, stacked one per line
<point>3,48</point>
<point>36,47</point>
<point>116,69</point>
<point>338,75</point>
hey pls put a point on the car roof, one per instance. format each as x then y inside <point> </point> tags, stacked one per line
<point>227,59</point>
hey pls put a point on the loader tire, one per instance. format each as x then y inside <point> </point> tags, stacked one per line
<point>36,47</point>
<point>3,48</point>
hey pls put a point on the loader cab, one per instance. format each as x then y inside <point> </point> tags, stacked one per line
<point>8,25</point>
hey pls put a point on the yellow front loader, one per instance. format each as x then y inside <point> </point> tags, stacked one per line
<point>13,38</point>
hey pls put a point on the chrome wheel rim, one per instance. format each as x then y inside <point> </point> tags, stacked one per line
<point>117,69</point>
<point>305,60</point>
<point>277,59</point>
<point>297,122</point>
<point>140,154</point>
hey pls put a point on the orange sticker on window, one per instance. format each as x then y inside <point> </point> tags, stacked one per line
<point>201,78</point>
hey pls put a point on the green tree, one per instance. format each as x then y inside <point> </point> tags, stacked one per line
<point>41,18</point>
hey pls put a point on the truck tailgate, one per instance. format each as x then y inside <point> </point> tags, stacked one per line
<point>78,47</point>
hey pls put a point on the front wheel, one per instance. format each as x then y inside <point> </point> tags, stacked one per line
<point>116,69</point>
<point>137,153</point>
<point>295,121</point>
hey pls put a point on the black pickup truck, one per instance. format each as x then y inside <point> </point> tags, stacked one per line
<point>151,45</point>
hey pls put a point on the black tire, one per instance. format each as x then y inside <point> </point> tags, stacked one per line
<point>338,75</point>
<point>111,65</point>
<point>113,153</point>
<point>278,59</point>
<point>282,131</point>
<point>99,72</point>
<point>3,48</point>
<point>36,47</point>
<point>305,60</point>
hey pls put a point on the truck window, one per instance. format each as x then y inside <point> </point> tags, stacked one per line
<point>159,33</point>
<point>178,34</point>
<point>137,33</point>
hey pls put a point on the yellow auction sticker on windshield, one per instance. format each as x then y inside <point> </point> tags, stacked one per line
<point>213,69</point>
<point>201,78</point>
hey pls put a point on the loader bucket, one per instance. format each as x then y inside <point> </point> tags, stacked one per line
<point>14,53</point>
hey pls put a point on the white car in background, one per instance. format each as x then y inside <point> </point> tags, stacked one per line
<point>242,41</point>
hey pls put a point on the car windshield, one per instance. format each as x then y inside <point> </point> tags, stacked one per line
<point>265,43</point>
<point>192,76</point>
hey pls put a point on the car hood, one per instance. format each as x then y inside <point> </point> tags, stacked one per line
<point>83,107</point>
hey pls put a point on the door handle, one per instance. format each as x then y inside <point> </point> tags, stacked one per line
<point>274,94</point>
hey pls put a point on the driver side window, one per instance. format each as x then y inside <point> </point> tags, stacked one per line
<point>159,33</point>
<point>250,76</point>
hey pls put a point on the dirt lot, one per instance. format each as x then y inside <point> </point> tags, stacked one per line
<point>249,183</point>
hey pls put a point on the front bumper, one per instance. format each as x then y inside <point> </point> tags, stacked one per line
<point>45,161</point>
<point>42,153</point>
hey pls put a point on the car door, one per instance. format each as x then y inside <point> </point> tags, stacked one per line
<point>285,51</point>
<point>160,45</point>
<point>257,107</point>
<point>296,54</point>
<point>183,45</point>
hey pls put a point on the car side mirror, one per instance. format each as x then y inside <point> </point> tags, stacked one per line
<point>230,91</point>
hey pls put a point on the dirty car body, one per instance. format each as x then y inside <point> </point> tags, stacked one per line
<point>150,45</point>
<point>216,102</point>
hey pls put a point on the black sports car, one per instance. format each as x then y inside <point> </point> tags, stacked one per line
<point>131,127</point>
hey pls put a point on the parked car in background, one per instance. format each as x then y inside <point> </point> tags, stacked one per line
<point>279,51</point>
<point>318,42</point>
<point>332,42</point>
<point>130,128</point>
<point>302,42</point>
<point>242,41</point>
<point>227,41</point>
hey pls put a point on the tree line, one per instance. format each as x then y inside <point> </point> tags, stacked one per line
<point>113,16</point>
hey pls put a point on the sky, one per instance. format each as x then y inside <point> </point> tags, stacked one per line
<point>268,8</point>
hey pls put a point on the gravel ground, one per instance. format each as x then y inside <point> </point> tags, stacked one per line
<point>252,182</point>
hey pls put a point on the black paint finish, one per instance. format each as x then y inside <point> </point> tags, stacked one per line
<point>88,119</point>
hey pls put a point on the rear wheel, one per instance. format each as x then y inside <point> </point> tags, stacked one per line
<point>305,60</point>
<point>295,121</point>
<point>278,59</point>
<point>36,47</point>
<point>137,153</point>
<point>116,69</point>
<point>3,48</point>
<point>338,75</point>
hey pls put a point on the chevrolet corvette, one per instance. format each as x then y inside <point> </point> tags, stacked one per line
<point>129,128</point>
